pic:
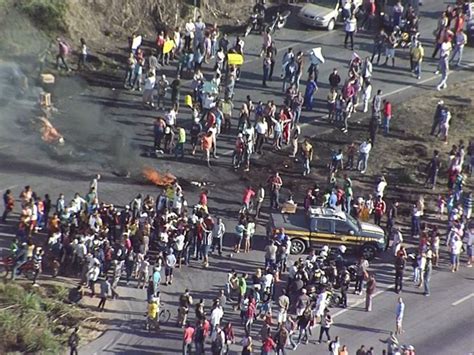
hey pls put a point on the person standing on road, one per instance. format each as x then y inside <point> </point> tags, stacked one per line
<point>188,336</point>
<point>366,95</point>
<point>370,292</point>
<point>275,183</point>
<point>460,41</point>
<point>104,293</point>
<point>361,274</point>
<point>399,269</point>
<point>455,246</point>
<point>307,152</point>
<point>334,79</point>
<point>326,322</point>
<point>427,272</point>
<point>218,232</point>
<point>259,199</point>
<point>364,151</point>
<point>400,311</point>
<point>287,57</point>
<point>350,26</point>
<point>311,88</point>
<point>417,54</point>
<point>379,42</point>
<point>206,146</point>
<point>387,116</point>
<point>443,65</point>
<point>8,202</point>
<point>267,64</point>
<point>334,346</point>
<point>390,44</point>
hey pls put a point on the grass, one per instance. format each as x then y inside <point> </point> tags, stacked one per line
<point>36,319</point>
<point>48,15</point>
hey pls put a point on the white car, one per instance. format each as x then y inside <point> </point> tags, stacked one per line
<point>323,13</point>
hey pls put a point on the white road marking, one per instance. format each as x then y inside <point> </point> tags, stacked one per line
<point>358,303</point>
<point>462,300</point>
<point>9,187</point>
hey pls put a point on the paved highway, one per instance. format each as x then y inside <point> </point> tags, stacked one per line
<point>440,324</point>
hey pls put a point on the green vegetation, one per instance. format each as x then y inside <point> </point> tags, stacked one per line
<point>48,15</point>
<point>36,319</point>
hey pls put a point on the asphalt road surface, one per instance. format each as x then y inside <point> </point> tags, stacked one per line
<point>107,131</point>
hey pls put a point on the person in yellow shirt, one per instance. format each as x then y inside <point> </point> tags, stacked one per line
<point>179,149</point>
<point>152,313</point>
<point>417,53</point>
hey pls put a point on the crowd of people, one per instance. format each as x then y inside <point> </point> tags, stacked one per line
<point>147,241</point>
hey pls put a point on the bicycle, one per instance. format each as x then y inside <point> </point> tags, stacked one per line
<point>7,265</point>
<point>154,323</point>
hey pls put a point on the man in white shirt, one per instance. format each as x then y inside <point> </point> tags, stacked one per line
<point>261,127</point>
<point>170,263</point>
<point>148,89</point>
<point>170,118</point>
<point>455,249</point>
<point>218,232</point>
<point>216,315</point>
<point>364,150</point>
<point>189,29</point>
<point>380,187</point>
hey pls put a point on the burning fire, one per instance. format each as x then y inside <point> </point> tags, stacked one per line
<point>156,178</point>
<point>49,134</point>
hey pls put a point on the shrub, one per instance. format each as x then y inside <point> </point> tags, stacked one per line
<point>46,14</point>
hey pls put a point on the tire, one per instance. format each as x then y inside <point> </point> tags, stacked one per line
<point>29,274</point>
<point>331,24</point>
<point>4,271</point>
<point>368,251</point>
<point>334,301</point>
<point>297,246</point>
<point>283,24</point>
<point>164,316</point>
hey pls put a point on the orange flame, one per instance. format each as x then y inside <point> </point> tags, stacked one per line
<point>49,134</point>
<point>156,178</point>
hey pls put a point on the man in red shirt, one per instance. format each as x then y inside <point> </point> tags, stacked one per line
<point>387,116</point>
<point>379,210</point>
<point>268,346</point>
<point>249,193</point>
<point>188,338</point>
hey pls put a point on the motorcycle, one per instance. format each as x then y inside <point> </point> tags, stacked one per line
<point>254,23</point>
<point>278,21</point>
